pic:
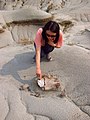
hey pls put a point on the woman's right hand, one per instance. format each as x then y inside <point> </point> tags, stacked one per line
<point>38,73</point>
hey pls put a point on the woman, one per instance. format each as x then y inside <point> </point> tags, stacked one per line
<point>47,38</point>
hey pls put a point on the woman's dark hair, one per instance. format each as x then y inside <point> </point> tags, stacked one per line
<point>53,27</point>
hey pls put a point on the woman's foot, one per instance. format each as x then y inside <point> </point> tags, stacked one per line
<point>48,57</point>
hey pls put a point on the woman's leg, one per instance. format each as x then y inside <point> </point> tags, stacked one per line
<point>34,57</point>
<point>42,54</point>
<point>47,49</point>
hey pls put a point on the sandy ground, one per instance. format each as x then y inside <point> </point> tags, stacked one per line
<point>71,64</point>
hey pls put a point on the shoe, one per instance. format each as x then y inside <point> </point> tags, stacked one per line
<point>48,57</point>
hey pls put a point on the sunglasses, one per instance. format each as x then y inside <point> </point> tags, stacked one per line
<point>52,36</point>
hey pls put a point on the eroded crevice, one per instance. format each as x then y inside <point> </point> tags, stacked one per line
<point>79,106</point>
<point>8,109</point>
<point>82,46</point>
<point>66,24</point>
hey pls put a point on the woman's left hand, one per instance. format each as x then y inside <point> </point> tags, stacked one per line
<point>51,43</point>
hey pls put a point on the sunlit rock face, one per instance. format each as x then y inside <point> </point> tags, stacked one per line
<point>22,18</point>
<point>22,24</point>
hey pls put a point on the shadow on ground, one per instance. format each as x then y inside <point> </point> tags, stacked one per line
<point>22,68</point>
<point>20,62</point>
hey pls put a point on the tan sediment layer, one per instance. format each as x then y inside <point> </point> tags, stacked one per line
<point>31,15</point>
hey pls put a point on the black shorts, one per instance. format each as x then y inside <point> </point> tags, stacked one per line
<point>45,49</point>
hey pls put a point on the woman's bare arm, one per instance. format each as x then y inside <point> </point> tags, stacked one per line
<point>38,69</point>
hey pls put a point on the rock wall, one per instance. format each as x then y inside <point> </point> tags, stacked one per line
<point>20,26</point>
<point>20,19</point>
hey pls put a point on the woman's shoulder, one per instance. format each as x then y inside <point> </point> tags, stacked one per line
<point>40,30</point>
<point>61,33</point>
